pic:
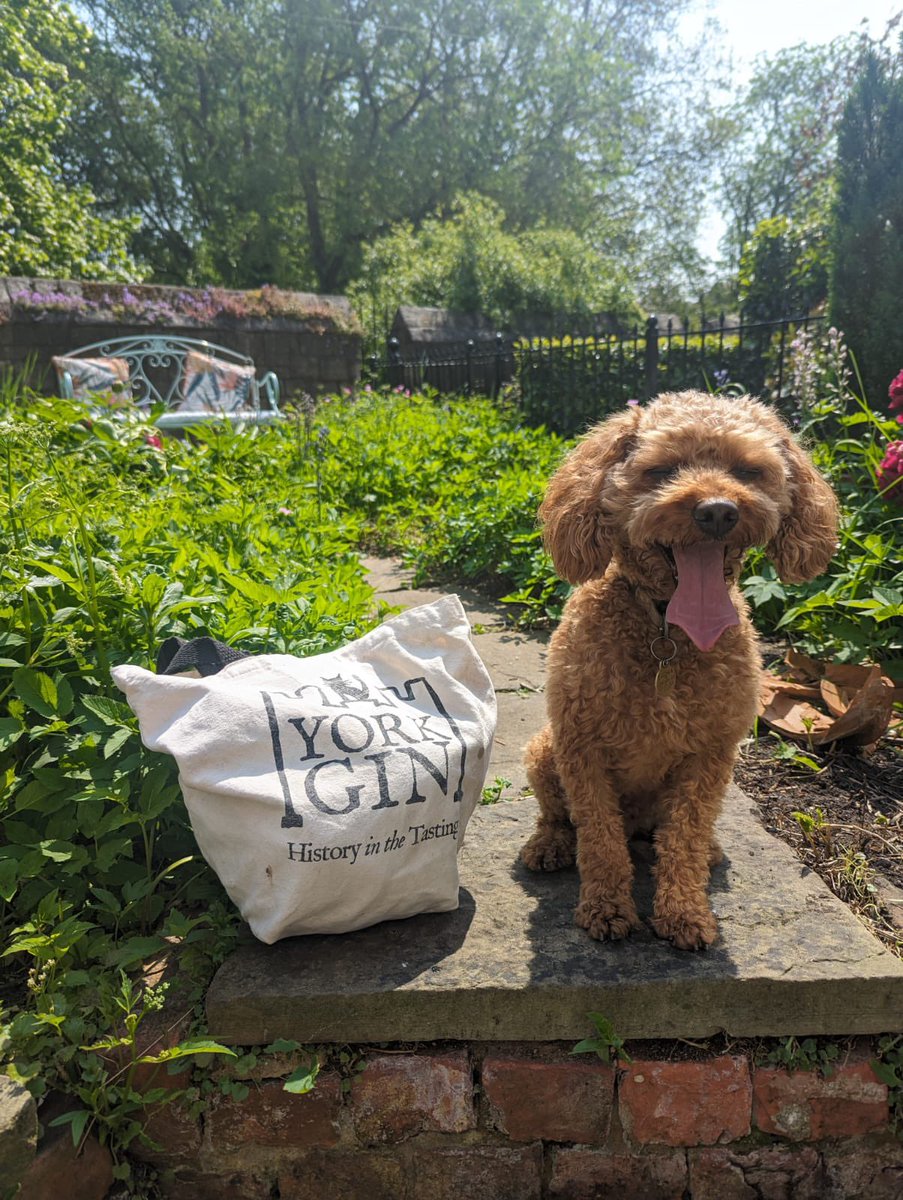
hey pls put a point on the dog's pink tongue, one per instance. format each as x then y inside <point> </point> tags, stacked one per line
<point>701,605</point>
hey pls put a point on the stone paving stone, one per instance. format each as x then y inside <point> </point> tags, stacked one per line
<point>511,964</point>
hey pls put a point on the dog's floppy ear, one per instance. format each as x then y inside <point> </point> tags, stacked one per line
<point>807,539</point>
<point>574,528</point>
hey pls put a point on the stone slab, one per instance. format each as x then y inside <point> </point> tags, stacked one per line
<point>515,661</point>
<point>520,715</point>
<point>511,964</point>
<point>481,613</point>
<point>18,1132</point>
<point>386,574</point>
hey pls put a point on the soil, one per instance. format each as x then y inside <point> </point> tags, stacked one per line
<point>842,814</point>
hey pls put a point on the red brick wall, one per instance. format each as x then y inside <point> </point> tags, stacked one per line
<point>535,1123</point>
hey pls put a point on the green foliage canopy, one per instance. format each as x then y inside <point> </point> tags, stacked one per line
<point>468,260</point>
<point>780,154</point>
<point>46,226</point>
<point>867,231</point>
<point>271,140</point>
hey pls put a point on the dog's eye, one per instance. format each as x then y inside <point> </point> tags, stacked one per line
<point>660,473</point>
<point>745,474</point>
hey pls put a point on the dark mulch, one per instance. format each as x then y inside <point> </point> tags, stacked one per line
<point>850,830</point>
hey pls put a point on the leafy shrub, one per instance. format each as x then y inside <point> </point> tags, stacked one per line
<point>108,545</point>
<point>852,612</point>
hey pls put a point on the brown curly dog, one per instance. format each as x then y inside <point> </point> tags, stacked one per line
<point>653,672</point>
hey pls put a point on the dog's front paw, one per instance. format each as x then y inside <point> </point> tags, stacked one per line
<point>687,931</point>
<point>550,849</point>
<point>607,920</point>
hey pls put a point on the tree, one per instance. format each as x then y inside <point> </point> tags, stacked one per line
<point>779,159</point>
<point>867,229</point>
<point>784,265</point>
<point>273,139</point>
<point>46,227</point>
<point>466,259</point>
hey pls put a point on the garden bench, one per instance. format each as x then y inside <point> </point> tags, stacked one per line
<point>195,381</point>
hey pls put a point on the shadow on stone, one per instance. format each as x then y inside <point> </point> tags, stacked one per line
<point>560,947</point>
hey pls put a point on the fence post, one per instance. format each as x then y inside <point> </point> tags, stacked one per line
<point>470,366</point>
<point>650,358</point>
<point>499,363</point>
<point>395,365</point>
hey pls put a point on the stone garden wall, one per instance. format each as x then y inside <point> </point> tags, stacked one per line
<point>521,1122</point>
<point>312,343</point>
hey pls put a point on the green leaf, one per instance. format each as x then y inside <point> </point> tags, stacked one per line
<point>116,741</point>
<point>282,1046</point>
<point>111,712</point>
<point>185,1049</point>
<point>135,950</point>
<point>37,690</point>
<point>10,732</point>
<point>9,878</point>
<point>77,1119</point>
<point>303,1079</point>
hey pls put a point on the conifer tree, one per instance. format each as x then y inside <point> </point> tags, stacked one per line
<point>867,278</point>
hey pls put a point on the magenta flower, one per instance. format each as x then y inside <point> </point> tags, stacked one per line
<point>890,473</point>
<point>154,439</point>
<point>895,391</point>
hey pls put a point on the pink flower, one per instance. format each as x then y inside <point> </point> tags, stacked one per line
<point>890,473</point>
<point>895,391</point>
<point>283,511</point>
<point>633,403</point>
<point>154,439</point>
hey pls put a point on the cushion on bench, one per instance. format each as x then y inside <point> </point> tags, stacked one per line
<point>106,379</point>
<point>211,385</point>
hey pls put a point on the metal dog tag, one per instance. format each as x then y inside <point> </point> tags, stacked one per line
<point>665,680</point>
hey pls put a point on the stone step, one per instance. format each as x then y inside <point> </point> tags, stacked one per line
<point>510,964</point>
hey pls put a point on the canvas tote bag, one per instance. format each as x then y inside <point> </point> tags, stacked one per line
<point>332,792</point>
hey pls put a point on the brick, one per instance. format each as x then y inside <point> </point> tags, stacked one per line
<point>57,1171</point>
<point>399,1095</point>
<point>804,1106</point>
<point>762,1173</point>
<point>269,1116</point>
<point>686,1103</point>
<point>579,1174</point>
<point>337,1175</point>
<point>214,1185</point>
<point>557,1102</point>
<point>870,1172</point>
<point>477,1173</point>
<point>175,1132</point>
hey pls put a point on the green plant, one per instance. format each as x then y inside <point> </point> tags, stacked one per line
<point>607,1044</point>
<point>492,793</point>
<point>888,1066</point>
<point>852,612</point>
<point>806,1055</point>
<point>46,1047</point>
<point>783,751</point>
<point>109,545</point>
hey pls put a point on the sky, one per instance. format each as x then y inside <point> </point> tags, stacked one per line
<point>752,27</point>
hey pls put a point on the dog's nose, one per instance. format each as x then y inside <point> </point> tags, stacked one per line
<point>716,518</point>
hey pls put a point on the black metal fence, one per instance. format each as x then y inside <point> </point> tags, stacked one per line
<point>569,382</point>
<point>463,368</point>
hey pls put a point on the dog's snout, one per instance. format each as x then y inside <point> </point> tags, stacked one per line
<point>716,518</point>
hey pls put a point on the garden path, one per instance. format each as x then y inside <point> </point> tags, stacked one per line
<point>515,661</point>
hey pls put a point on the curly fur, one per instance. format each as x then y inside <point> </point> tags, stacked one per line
<point>615,757</point>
